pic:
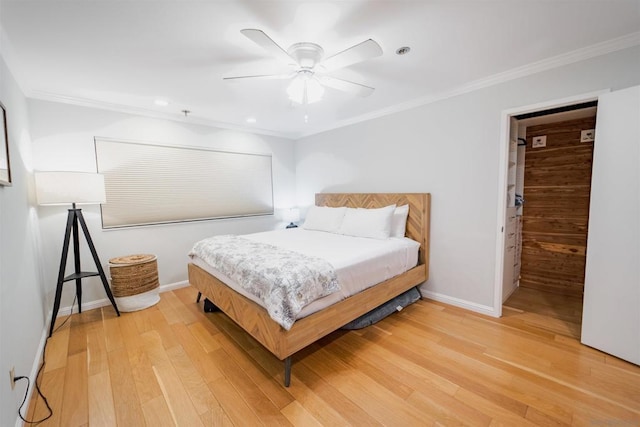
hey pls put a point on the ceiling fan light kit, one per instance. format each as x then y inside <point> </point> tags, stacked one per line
<point>309,78</point>
<point>305,88</point>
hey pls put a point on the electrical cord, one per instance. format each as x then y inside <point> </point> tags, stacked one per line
<point>46,402</point>
<point>36,382</point>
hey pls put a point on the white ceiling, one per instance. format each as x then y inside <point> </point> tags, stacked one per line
<point>125,54</point>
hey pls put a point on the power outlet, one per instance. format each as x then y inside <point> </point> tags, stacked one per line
<point>12,375</point>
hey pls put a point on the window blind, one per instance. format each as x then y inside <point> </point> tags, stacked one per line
<point>152,184</point>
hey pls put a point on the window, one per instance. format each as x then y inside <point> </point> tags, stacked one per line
<point>152,184</point>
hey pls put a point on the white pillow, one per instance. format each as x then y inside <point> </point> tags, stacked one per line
<point>323,218</point>
<point>399,221</point>
<point>373,223</point>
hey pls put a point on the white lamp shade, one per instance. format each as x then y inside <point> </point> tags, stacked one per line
<point>61,188</point>
<point>291,215</point>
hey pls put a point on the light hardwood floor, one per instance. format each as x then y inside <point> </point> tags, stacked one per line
<point>430,364</point>
<point>563,311</point>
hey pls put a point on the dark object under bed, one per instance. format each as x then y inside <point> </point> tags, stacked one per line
<point>384,310</point>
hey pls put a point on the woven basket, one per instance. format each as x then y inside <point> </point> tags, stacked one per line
<point>133,274</point>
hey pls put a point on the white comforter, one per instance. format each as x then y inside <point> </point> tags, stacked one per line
<point>359,262</point>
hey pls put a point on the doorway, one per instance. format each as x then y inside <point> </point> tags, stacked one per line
<point>548,191</point>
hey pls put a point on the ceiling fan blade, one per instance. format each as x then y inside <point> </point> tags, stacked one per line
<point>366,50</point>
<point>346,86</point>
<point>265,42</point>
<point>261,77</point>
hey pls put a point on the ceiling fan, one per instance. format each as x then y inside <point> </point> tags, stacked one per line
<point>308,77</point>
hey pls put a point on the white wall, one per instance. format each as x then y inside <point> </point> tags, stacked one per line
<point>451,149</point>
<point>22,308</point>
<point>63,140</point>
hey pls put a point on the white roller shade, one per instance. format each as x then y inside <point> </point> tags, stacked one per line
<point>151,184</point>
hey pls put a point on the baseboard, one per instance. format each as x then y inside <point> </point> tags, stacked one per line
<point>506,297</point>
<point>34,372</point>
<point>468,305</point>
<point>171,286</point>
<point>65,311</point>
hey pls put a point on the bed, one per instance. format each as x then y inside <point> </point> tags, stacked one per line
<point>282,343</point>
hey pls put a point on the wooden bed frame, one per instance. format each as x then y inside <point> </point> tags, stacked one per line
<point>255,320</point>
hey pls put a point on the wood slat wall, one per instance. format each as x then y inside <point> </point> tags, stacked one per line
<point>557,186</point>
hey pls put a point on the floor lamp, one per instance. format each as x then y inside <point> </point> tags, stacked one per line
<point>63,188</point>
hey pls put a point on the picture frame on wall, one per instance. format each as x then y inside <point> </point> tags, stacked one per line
<point>5,165</point>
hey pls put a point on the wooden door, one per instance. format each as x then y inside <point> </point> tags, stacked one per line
<point>557,182</point>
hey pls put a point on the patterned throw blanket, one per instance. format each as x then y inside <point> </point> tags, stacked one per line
<point>285,281</point>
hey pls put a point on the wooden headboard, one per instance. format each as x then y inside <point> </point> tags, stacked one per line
<point>419,212</point>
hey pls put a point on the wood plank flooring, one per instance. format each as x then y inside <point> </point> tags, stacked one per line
<point>561,314</point>
<point>430,364</point>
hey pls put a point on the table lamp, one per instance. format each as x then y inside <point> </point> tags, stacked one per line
<point>292,216</point>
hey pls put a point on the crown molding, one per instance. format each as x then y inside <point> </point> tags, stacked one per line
<point>582,54</point>
<point>146,112</point>
<point>557,61</point>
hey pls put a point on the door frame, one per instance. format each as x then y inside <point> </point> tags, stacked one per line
<point>505,125</point>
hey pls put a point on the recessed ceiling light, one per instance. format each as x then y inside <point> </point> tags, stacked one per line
<point>161,102</point>
<point>403,50</point>
<point>251,120</point>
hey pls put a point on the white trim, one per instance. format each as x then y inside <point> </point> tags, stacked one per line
<point>467,305</point>
<point>146,112</point>
<point>506,297</point>
<point>562,102</point>
<point>567,58</point>
<point>34,372</point>
<point>502,177</point>
<point>172,286</point>
<point>598,49</point>
<point>65,311</point>
<point>505,126</point>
